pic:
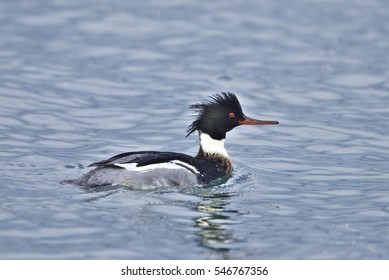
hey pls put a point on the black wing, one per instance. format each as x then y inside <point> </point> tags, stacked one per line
<point>129,157</point>
<point>206,169</point>
<point>147,158</point>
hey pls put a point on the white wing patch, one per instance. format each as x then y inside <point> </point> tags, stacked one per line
<point>174,164</point>
<point>186,165</point>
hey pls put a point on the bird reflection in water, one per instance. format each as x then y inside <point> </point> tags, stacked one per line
<point>214,233</point>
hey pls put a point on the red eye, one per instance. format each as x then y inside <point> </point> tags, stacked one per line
<point>231,115</point>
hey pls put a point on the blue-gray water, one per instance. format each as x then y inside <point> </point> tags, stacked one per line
<point>81,81</point>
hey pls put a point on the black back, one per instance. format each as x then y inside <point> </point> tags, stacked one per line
<point>209,169</point>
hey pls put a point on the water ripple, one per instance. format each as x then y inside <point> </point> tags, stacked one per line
<point>82,81</point>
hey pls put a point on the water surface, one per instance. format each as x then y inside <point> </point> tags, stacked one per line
<point>83,81</point>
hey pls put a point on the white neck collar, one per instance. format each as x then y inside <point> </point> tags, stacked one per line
<point>212,146</point>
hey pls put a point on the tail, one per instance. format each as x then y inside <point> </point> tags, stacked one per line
<point>68,181</point>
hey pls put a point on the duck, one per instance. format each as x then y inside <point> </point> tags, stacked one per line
<point>214,117</point>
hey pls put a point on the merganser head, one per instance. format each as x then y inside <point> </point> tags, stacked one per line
<point>219,115</point>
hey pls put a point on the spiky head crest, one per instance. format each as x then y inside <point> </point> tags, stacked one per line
<point>216,116</point>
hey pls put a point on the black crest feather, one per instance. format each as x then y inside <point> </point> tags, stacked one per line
<point>226,100</point>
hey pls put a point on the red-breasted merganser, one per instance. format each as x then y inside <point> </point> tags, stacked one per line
<point>151,169</point>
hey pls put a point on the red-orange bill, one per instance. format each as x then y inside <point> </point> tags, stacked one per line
<point>250,121</point>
